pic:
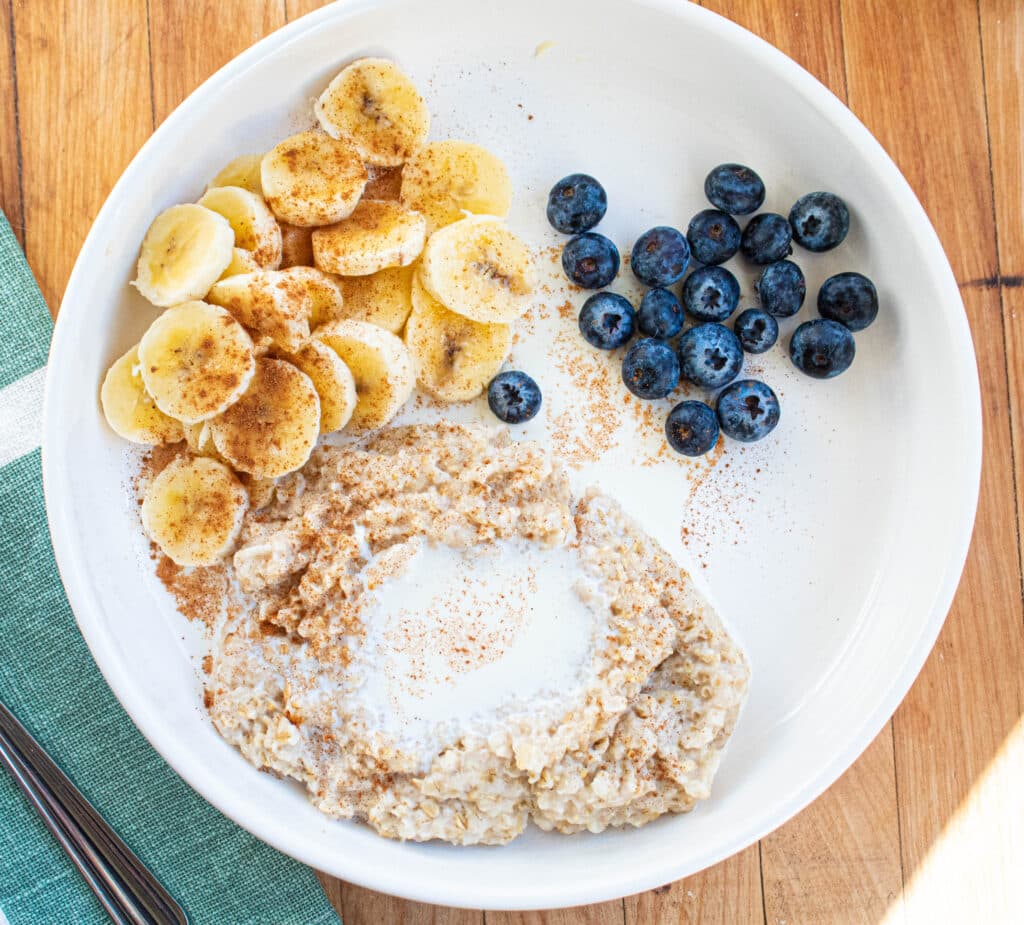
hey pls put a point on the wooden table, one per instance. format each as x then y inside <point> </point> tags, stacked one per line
<point>927,826</point>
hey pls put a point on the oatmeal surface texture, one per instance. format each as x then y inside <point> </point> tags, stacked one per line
<point>656,684</point>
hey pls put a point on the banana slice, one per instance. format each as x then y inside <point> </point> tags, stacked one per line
<point>332,380</point>
<point>253,223</point>
<point>377,108</point>
<point>378,234</point>
<point>243,171</point>
<point>383,298</point>
<point>478,268</point>
<point>129,409</point>
<point>193,510</point>
<point>296,246</point>
<point>241,262</point>
<point>312,179</point>
<point>183,254</point>
<point>196,360</point>
<point>384,183</point>
<point>270,302</point>
<point>272,428</point>
<point>454,357</point>
<point>200,441</point>
<point>260,491</point>
<point>381,365</point>
<point>323,290</point>
<point>446,179</point>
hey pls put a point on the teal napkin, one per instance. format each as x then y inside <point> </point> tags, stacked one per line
<point>219,873</point>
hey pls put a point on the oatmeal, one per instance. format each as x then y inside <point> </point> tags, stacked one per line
<point>437,638</point>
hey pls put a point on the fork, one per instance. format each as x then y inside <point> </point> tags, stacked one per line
<point>126,889</point>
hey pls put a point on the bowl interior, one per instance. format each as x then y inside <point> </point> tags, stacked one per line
<point>832,548</point>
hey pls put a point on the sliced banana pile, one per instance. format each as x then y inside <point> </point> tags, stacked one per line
<point>310,289</point>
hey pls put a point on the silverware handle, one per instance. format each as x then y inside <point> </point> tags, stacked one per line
<point>65,839</point>
<point>135,880</point>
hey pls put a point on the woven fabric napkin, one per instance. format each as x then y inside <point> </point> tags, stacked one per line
<point>219,873</point>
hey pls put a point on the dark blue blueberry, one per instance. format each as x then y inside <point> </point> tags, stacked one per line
<point>782,288</point>
<point>756,329</point>
<point>650,368</point>
<point>691,428</point>
<point>713,237</point>
<point>767,238</point>
<point>748,410</point>
<point>576,203</point>
<point>822,348</point>
<point>849,298</point>
<point>660,256</point>
<point>711,294</point>
<point>660,314</point>
<point>514,397</point>
<point>607,320</point>
<point>735,189</point>
<point>819,221</point>
<point>710,355</point>
<point>590,260</point>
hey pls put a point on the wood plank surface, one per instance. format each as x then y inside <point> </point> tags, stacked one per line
<point>191,40</point>
<point>924,98</point>
<point>84,110</point>
<point>10,151</point>
<point>947,101</point>
<point>1002,42</point>
<point>729,893</point>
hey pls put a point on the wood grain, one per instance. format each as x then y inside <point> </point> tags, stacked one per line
<point>969,695</point>
<point>10,144</point>
<point>597,914</point>
<point>364,907</point>
<point>192,40</point>
<point>84,110</point>
<point>297,8</point>
<point>726,894</point>
<point>839,860</point>
<point>947,101</point>
<point>1002,42</point>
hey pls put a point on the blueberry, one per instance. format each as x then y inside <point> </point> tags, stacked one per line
<point>514,397</point>
<point>819,221</point>
<point>735,189</point>
<point>711,294</point>
<point>691,428</point>
<point>576,203</point>
<point>660,314</point>
<point>650,368</point>
<point>782,288</point>
<point>607,320</point>
<point>710,355</point>
<point>713,237</point>
<point>660,256</point>
<point>756,329</point>
<point>748,410</point>
<point>767,238</point>
<point>590,260</point>
<point>849,298</point>
<point>822,348</point>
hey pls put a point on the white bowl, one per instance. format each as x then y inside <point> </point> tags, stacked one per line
<point>833,547</point>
